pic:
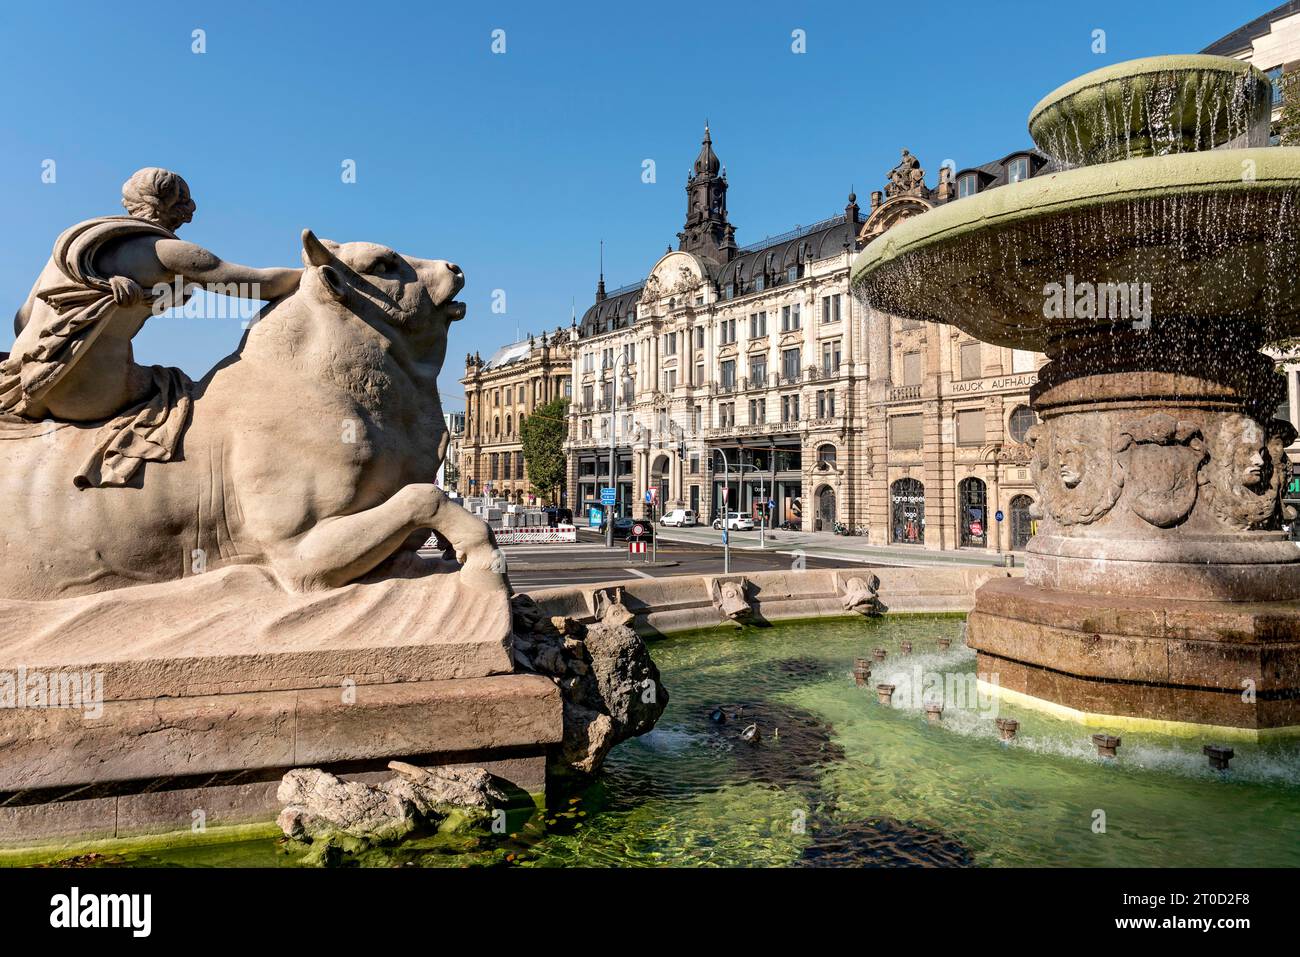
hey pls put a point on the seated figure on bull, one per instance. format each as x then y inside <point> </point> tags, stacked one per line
<point>72,360</point>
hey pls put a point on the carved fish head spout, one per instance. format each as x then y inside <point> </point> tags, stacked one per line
<point>405,298</point>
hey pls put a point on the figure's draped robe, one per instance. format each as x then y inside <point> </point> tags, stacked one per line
<point>149,431</point>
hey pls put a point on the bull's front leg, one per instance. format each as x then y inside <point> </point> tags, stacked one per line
<point>341,549</point>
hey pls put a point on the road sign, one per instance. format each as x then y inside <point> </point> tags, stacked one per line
<point>650,495</point>
<point>608,496</point>
<point>637,529</point>
<point>771,504</point>
<point>724,495</point>
<point>998,515</point>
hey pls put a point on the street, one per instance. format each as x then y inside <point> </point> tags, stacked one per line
<point>588,560</point>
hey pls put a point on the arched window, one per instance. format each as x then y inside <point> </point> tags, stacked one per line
<point>972,513</point>
<point>496,427</point>
<point>508,432</point>
<point>824,518</point>
<point>1021,421</point>
<point>826,455</point>
<point>1023,526</point>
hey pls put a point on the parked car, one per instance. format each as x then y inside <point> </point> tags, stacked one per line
<point>623,528</point>
<point>736,522</point>
<point>679,517</point>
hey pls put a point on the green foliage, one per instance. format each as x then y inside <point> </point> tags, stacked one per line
<point>543,434</point>
<point>1289,122</point>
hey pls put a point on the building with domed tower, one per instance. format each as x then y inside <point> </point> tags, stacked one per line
<point>754,369</point>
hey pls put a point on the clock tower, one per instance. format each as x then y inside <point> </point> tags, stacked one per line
<point>707,233</point>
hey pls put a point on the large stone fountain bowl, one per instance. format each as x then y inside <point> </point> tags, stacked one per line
<point>1154,107</point>
<point>1215,236</point>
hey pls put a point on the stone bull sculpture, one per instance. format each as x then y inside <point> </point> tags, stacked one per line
<point>310,452</point>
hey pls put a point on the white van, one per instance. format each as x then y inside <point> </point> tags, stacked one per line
<point>679,517</point>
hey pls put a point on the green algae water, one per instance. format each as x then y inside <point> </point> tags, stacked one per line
<point>769,754</point>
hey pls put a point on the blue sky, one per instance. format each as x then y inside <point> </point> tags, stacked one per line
<point>515,164</point>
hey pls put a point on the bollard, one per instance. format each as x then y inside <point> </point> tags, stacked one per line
<point>879,654</point>
<point>934,712</point>
<point>1106,744</point>
<point>1007,728</point>
<point>1219,756</point>
<point>884,693</point>
<point>861,671</point>
<point>945,644</point>
<point>905,647</point>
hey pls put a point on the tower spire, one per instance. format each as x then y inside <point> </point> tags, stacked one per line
<point>707,232</point>
<point>600,284</point>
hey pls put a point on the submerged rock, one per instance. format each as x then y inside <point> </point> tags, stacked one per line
<point>321,809</point>
<point>609,685</point>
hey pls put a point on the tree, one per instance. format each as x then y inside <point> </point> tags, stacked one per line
<point>543,434</point>
<point>1289,122</point>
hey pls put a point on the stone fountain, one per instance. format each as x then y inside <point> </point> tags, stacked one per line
<point>1151,269</point>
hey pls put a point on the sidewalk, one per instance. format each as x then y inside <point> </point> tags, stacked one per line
<point>839,547</point>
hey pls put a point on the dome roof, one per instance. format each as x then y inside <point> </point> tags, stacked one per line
<point>707,162</point>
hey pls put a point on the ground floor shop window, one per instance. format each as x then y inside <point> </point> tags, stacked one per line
<point>907,511</point>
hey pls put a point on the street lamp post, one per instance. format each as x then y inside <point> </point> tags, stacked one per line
<point>726,537</point>
<point>613,429</point>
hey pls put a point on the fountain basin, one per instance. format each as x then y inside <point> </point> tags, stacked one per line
<point>1213,234</point>
<point>1152,107</point>
<point>879,785</point>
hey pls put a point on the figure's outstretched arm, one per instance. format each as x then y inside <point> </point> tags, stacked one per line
<point>150,261</point>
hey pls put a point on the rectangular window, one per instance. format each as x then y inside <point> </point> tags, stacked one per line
<point>586,396</point>
<point>699,337</point>
<point>757,371</point>
<point>831,308</point>
<point>670,343</point>
<point>968,185</point>
<point>670,380</point>
<point>607,394</point>
<point>831,357</point>
<point>494,462</point>
<point>1018,169</point>
<point>790,365</point>
<point>726,332</point>
<point>826,404</point>
<point>699,373</point>
<point>912,368</point>
<point>789,409</point>
<point>729,374</point>
<point>695,464</point>
<point>757,411</point>
<point>795,321</point>
<point>970,427</point>
<point>519,464</point>
<point>970,360</point>
<point>505,465</point>
<point>905,432</point>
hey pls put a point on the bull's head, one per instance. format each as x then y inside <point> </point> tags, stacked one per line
<point>407,299</point>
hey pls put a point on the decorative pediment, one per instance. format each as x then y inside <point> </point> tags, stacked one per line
<point>890,213</point>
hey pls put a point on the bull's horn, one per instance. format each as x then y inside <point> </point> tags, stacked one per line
<point>314,252</point>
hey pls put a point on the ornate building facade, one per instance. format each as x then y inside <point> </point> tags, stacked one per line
<point>755,370</point>
<point>500,393</point>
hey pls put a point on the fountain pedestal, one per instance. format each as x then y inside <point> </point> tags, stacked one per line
<point>1159,585</point>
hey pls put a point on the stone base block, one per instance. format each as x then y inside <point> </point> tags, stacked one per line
<point>1228,664</point>
<point>149,766</point>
